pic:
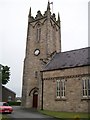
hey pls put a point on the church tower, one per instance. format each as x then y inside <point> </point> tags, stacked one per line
<point>43,41</point>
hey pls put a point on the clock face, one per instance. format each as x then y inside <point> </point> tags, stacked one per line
<point>37,52</point>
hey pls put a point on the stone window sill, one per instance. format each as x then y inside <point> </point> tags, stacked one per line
<point>85,98</point>
<point>60,99</point>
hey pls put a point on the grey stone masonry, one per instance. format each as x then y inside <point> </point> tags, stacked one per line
<point>43,39</point>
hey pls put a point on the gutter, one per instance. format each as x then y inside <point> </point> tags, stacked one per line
<point>42,90</point>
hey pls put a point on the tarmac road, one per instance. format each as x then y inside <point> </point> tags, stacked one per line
<point>29,114</point>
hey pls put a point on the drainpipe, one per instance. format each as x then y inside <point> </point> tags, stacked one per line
<point>42,90</point>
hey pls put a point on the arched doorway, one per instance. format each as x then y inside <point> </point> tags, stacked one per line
<point>35,99</point>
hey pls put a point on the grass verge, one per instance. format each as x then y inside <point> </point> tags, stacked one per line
<point>3,117</point>
<point>0,116</point>
<point>66,114</point>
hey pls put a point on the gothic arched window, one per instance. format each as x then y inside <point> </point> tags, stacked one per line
<point>38,33</point>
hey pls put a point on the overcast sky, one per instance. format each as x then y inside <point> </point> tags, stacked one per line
<point>13,31</point>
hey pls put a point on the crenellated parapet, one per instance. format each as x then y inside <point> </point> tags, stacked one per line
<point>39,15</point>
<point>47,14</point>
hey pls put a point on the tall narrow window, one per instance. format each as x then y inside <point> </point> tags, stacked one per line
<point>60,93</point>
<point>38,34</point>
<point>58,88</point>
<point>62,88</point>
<point>86,88</point>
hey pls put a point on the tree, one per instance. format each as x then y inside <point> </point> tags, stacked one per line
<point>4,74</point>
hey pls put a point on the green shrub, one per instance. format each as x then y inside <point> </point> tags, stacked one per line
<point>14,103</point>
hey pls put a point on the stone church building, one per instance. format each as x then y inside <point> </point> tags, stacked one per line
<point>52,79</point>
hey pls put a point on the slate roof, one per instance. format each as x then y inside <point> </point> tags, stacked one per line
<point>69,59</point>
<point>3,87</point>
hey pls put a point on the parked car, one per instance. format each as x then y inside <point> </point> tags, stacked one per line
<point>5,108</point>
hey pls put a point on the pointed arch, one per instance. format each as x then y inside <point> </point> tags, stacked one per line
<point>33,90</point>
<point>38,24</point>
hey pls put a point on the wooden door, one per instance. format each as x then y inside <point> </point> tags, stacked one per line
<point>35,100</point>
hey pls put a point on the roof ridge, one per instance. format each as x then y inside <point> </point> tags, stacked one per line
<point>73,50</point>
<point>68,59</point>
<point>8,89</point>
